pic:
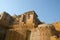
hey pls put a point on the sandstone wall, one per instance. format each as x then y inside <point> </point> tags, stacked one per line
<point>15,33</point>
<point>57,25</point>
<point>30,19</point>
<point>27,27</point>
<point>5,19</point>
<point>43,32</point>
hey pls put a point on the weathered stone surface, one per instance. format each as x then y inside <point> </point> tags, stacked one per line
<point>57,25</point>
<point>14,35</point>
<point>5,19</point>
<point>42,32</point>
<point>26,27</point>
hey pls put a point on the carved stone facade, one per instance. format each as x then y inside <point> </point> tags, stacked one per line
<point>25,27</point>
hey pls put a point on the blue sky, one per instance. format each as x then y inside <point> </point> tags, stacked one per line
<point>48,11</point>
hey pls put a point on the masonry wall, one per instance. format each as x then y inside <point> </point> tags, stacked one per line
<point>30,19</point>
<point>5,20</point>
<point>2,33</point>
<point>26,27</point>
<point>43,32</point>
<point>15,33</point>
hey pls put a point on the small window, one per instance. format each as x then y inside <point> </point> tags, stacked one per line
<point>24,19</point>
<point>28,16</point>
<point>0,15</point>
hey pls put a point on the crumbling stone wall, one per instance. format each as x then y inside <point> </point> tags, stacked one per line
<point>15,33</point>
<point>25,22</point>
<point>42,32</point>
<point>2,34</point>
<point>30,19</point>
<point>5,19</point>
<point>25,27</point>
<point>57,26</point>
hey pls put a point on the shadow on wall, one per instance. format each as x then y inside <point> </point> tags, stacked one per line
<point>55,32</point>
<point>13,35</point>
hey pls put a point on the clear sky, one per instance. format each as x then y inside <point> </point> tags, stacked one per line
<point>48,11</point>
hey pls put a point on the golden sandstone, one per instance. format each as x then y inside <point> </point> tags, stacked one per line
<point>27,27</point>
